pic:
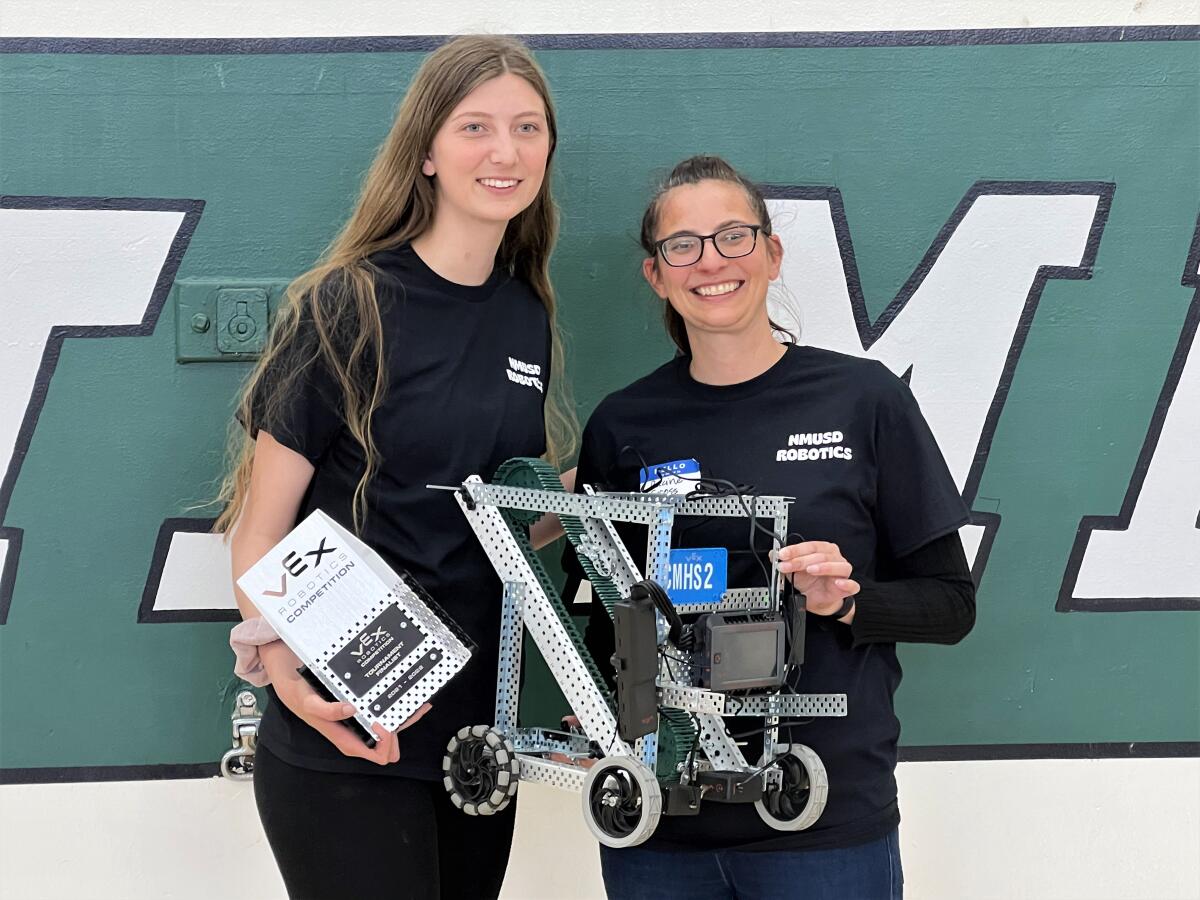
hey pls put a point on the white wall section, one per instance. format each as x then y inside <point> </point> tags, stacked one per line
<point>196,574</point>
<point>309,18</point>
<point>1108,829</point>
<point>1162,531</point>
<point>958,322</point>
<point>70,268</point>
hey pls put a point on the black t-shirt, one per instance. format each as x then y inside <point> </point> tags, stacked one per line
<point>467,369</point>
<point>844,437</point>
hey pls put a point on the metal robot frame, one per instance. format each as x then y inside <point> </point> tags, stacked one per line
<point>623,797</point>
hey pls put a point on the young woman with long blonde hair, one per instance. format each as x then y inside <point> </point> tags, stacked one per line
<point>387,370</point>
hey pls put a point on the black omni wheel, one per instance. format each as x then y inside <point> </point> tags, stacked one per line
<point>480,770</point>
<point>622,801</point>
<point>799,801</point>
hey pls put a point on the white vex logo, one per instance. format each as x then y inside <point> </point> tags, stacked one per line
<point>525,373</point>
<point>367,640</point>
<point>812,445</point>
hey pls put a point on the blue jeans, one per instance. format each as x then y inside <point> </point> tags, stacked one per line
<point>866,872</point>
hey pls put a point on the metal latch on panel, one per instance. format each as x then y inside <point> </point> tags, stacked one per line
<point>220,321</point>
<point>242,319</point>
<point>238,762</point>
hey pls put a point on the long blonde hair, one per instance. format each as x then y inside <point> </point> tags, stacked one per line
<point>337,296</point>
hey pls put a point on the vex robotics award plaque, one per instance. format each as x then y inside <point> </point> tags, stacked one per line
<point>366,634</point>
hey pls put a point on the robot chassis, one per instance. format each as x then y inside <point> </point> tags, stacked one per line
<point>684,756</point>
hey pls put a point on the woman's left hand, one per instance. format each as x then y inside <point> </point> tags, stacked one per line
<point>820,572</point>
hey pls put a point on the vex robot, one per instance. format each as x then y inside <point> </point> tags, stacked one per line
<point>659,745</point>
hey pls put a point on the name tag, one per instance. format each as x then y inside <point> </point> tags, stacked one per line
<point>679,476</point>
<point>697,575</point>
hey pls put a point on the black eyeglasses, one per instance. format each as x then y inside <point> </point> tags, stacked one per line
<point>731,242</point>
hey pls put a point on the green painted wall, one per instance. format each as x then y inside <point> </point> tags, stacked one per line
<point>276,144</point>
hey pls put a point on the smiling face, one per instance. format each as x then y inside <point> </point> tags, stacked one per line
<point>489,157</point>
<point>714,294</point>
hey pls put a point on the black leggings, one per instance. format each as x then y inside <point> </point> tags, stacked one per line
<point>356,836</point>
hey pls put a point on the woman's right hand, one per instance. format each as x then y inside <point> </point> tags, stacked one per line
<point>327,717</point>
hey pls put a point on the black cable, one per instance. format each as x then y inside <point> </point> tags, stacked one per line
<point>753,513</point>
<point>657,595</point>
<point>757,731</point>
<point>765,766</point>
<point>645,467</point>
<point>667,657</point>
<point>690,760</point>
<point>709,486</point>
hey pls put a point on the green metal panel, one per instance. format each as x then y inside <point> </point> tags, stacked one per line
<point>276,146</point>
<point>219,321</point>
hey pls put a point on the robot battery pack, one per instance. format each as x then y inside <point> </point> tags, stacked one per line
<point>636,662</point>
<point>369,636</point>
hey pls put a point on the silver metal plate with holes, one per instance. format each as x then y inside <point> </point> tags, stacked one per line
<point>773,778</point>
<point>555,774</point>
<point>603,536</point>
<point>733,599</point>
<point>718,746</point>
<point>645,499</point>
<point>658,546</point>
<point>692,505</point>
<point>645,748</point>
<point>762,507</point>
<point>771,735</point>
<point>691,699</point>
<point>777,577</point>
<point>658,561</point>
<point>508,678</point>
<point>673,669</point>
<point>542,740</point>
<point>557,502</point>
<point>542,622</point>
<point>790,705</point>
<point>699,700</point>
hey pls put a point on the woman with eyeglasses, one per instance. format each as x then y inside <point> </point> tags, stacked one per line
<point>873,548</point>
<point>389,368</point>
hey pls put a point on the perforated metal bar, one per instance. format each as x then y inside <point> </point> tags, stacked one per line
<point>704,504</point>
<point>699,700</point>
<point>766,507</point>
<point>691,699</point>
<point>658,559</point>
<point>646,747</point>
<point>512,633</point>
<point>608,506</point>
<point>718,746</point>
<point>658,546</point>
<point>603,536</point>
<point>776,586</point>
<point>790,705</point>
<point>555,774</point>
<point>542,621</point>
<point>771,735</point>
<point>734,598</point>
<point>541,740</point>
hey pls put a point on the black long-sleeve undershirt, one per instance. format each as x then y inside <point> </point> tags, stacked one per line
<point>926,596</point>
